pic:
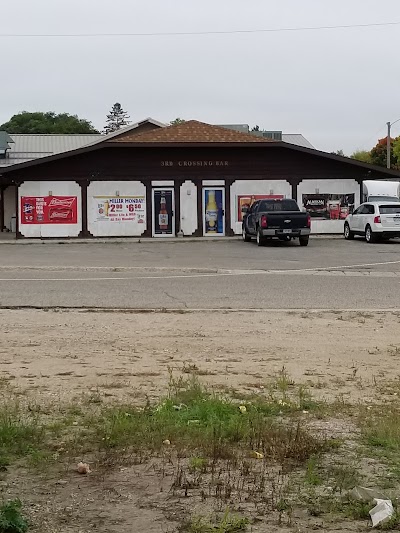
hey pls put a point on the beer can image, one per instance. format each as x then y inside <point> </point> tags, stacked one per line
<point>27,212</point>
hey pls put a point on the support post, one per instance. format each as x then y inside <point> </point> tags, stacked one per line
<point>228,219</point>
<point>177,195</point>
<point>84,184</point>
<point>388,147</point>
<point>149,211</point>
<point>295,182</point>
<point>199,193</point>
<point>17,209</point>
<point>2,189</point>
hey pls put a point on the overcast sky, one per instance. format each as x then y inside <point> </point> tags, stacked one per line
<point>337,87</point>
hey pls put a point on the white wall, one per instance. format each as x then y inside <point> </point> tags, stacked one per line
<point>105,228</point>
<point>57,188</point>
<point>337,186</point>
<point>188,207</point>
<point>9,205</point>
<point>241,187</point>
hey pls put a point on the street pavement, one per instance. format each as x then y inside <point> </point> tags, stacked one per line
<point>226,274</point>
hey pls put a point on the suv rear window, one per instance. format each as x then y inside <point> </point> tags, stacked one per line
<point>278,205</point>
<point>389,209</point>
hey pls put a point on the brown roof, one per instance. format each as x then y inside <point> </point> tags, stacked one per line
<point>191,131</point>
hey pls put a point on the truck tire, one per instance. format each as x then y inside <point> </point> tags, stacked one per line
<point>348,234</point>
<point>370,236</point>
<point>261,240</point>
<point>245,236</point>
<point>304,240</point>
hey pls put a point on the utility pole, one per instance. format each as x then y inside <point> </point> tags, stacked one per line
<point>388,147</point>
<point>388,143</point>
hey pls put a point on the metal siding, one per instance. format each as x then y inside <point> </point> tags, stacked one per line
<point>297,139</point>
<point>27,147</point>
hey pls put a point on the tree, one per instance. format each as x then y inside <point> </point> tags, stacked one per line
<point>48,122</point>
<point>379,154</point>
<point>396,150</point>
<point>177,121</point>
<point>255,128</point>
<point>362,155</point>
<point>116,119</point>
<point>339,152</point>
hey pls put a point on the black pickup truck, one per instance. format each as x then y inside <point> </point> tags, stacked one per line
<point>271,218</point>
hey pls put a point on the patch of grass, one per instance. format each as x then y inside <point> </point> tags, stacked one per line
<point>20,431</point>
<point>345,477</point>
<point>381,428</point>
<point>312,476</point>
<point>195,420</point>
<point>229,523</point>
<point>11,519</point>
<point>198,464</point>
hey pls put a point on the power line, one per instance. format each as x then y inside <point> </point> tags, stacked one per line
<point>190,33</point>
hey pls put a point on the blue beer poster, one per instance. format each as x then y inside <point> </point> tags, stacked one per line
<point>214,212</point>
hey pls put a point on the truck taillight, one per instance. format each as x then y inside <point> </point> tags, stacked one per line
<point>377,220</point>
<point>264,221</point>
<point>308,221</point>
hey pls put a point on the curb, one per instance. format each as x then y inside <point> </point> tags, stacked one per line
<point>136,240</point>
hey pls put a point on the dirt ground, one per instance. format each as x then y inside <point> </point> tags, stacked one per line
<point>128,355</point>
<point>54,356</point>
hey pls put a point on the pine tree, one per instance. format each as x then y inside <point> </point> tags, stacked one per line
<point>117,119</point>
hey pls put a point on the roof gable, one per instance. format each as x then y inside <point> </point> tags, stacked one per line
<point>191,131</point>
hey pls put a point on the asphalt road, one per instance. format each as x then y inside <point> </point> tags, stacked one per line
<point>328,274</point>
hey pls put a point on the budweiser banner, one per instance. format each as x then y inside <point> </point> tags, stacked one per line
<point>49,210</point>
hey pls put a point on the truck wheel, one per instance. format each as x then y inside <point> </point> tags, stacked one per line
<point>370,236</point>
<point>304,241</point>
<point>245,236</point>
<point>348,234</point>
<point>260,238</point>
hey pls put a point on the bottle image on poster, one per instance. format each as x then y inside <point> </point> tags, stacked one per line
<point>163,213</point>
<point>214,213</point>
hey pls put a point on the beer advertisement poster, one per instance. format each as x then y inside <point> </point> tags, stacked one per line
<point>49,210</point>
<point>120,209</point>
<point>214,212</point>
<point>328,206</point>
<point>163,212</point>
<point>247,200</point>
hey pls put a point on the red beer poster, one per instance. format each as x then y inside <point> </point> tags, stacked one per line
<point>249,199</point>
<point>49,210</point>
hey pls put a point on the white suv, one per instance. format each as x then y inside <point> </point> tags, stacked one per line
<point>374,220</point>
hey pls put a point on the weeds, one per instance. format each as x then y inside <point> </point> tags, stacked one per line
<point>229,523</point>
<point>312,476</point>
<point>194,420</point>
<point>11,519</point>
<point>20,432</point>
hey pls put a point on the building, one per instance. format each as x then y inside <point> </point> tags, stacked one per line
<point>191,179</point>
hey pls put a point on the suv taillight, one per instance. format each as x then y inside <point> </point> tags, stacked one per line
<point>377,220</point>
<point>308,221</point>
<point>264,221</point>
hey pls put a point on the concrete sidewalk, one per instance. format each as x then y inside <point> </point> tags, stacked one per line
<point>10,239</point>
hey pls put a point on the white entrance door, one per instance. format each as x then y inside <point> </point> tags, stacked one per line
<point>163,207</point>
<point>214,211</point>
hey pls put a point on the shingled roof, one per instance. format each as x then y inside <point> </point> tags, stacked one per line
<point>191,131</point>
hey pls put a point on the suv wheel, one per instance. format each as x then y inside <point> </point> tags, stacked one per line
<point>370,235</point>
<point>348,234</point>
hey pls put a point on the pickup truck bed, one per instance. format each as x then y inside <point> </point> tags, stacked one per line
<point>281,219</point>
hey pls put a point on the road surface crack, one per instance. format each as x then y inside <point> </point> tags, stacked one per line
<point>176,299</point>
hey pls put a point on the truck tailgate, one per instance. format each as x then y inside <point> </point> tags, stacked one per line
<point>287,220</point>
